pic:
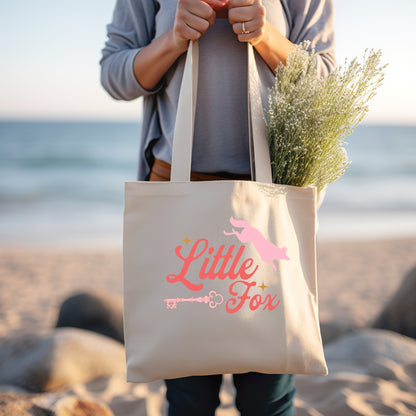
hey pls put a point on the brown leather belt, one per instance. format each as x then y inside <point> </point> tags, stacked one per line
<point>161,172</point>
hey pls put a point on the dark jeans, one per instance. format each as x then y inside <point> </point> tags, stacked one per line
<point>257,395</point>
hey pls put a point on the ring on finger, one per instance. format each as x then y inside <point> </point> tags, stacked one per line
<point>243,28</point>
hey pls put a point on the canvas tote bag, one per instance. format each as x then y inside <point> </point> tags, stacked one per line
<point>219,276</point>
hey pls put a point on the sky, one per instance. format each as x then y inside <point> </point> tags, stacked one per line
<point>50,52</point>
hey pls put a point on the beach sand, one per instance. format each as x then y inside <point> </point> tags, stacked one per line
<point>356,279</point>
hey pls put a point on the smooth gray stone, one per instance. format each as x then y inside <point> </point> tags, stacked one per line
<point>363,347</point>
<point>63,358</point>
<point>7,388</point>
<point>99,312</point>
<point>399,315</point>
<point>370,372</point>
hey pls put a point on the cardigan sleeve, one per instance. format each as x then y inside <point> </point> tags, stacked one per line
<point>313,20</point>
<point>132,28</point>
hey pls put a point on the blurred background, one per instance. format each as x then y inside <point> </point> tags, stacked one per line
<point>66,147</point>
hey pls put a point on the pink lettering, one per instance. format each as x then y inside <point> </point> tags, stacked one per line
<point>246,265</point>
<point>214,266</point>
<point>173,278</point>
<point>220,262</point>
<point>212,274</point>
<point>269,301</point>
<point>255,302</point>
<point>234,304</point>
<point>232,273</point>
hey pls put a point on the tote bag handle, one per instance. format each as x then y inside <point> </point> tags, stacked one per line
<point>185,120</point>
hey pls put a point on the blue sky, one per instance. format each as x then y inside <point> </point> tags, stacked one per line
<point>50,52</point>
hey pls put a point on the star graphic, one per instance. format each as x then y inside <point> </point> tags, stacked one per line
<point>263,286</point>
<point>187,240</point>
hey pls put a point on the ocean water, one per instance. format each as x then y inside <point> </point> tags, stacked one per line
<point>61,184</point>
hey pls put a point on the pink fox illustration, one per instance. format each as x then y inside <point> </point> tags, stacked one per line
<point>267,250</point>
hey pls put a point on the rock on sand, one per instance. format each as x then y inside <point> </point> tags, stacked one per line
<point>400,313</point>
<point>65,357</point>
<point>97,311</point>
<point>371,372</point>
<point>50,404</point>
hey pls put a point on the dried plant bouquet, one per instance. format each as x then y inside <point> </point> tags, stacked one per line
<point>308,117</point>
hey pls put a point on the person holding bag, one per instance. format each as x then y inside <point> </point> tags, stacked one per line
<point>144,57</point>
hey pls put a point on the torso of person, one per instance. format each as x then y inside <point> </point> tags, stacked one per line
<point>221,121</point>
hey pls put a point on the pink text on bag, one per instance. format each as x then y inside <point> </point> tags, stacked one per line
<point>227,263</point>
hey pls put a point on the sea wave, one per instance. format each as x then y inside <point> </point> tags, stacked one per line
<point>69,176</point>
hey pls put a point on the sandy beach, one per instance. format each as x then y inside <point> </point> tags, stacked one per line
<point>356,280</point>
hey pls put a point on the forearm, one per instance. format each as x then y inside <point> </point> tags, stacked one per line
<point>192,20</point>
<point>273,47</point>
<point>153,61</point>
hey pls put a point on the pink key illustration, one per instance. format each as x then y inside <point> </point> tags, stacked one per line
<point>213,299</point>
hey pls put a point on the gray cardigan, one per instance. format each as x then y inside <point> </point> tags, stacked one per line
<point>221,132</point>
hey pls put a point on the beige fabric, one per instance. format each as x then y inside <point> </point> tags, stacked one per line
<point>219,277</point>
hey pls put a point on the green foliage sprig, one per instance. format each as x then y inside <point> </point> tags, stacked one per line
<point>308,117</point>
